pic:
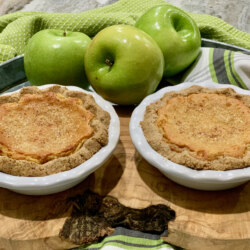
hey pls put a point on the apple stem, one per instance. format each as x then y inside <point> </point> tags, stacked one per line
<point>64,33</point>
<point>109,62</point>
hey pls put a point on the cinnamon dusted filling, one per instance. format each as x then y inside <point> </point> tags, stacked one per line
<point>41,127</point>
<point>209,125</point>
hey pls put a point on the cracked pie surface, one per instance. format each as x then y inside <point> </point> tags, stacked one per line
<point>201,128</point>
<point>48,131</point>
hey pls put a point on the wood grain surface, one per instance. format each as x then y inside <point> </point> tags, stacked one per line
<point>204,220</point>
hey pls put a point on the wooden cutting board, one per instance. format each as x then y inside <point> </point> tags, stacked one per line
<point>204,220</point>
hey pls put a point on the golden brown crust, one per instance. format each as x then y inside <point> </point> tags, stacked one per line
<point>87,137</point>
<point>180,137</point>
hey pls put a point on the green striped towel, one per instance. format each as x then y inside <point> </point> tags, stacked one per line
<point>18,27</point>
<point>220,66</point>
<point>123,238</point>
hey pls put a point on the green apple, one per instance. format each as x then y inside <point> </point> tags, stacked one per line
<point>123,64</point>
<point>175,32</point>
<point>56,56</point>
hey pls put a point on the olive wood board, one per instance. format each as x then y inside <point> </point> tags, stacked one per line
<point>204,219</point>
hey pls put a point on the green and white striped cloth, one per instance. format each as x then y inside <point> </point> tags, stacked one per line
<point>123,238</point>
<point>220,66</point>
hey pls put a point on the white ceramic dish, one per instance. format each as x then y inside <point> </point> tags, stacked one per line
<point>64,180</point>
<point>197,179</point>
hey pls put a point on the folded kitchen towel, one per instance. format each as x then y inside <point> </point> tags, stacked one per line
<point>123,238</point>
<point>18,27</point>
<point>220,66</point>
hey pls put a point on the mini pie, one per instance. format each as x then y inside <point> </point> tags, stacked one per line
<point>43,132</point>
<point>201,128</point>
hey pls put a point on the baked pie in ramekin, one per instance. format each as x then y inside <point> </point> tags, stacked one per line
<point>47,131</point>
<point>197,135</point>
<point>201,128</point>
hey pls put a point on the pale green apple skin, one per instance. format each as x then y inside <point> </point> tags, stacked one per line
<point>176,33</point>
<point>56,56</point>
<point>137,68</point>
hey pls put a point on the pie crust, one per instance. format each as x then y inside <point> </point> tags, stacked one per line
<point>43,132</point>
<point>201,128</point>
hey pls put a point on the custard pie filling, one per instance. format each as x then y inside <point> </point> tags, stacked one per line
<point>209,125</point>
<point>41,127</point>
